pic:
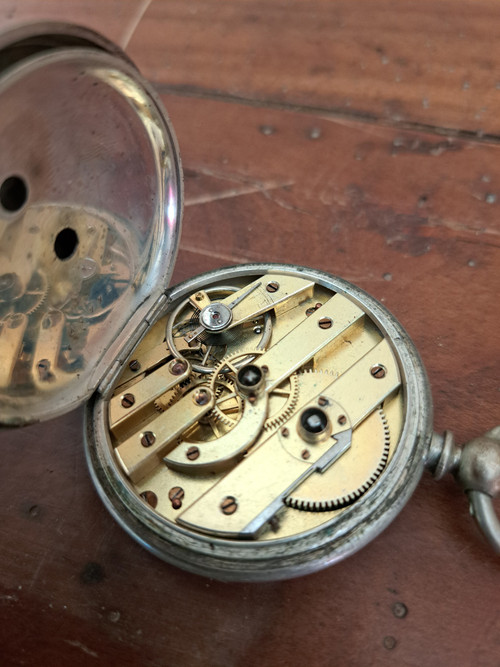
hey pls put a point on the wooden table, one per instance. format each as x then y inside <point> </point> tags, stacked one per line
<point>361,138</point>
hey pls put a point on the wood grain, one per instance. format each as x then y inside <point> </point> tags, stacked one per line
<point>409,215</point>
<point>397,61</point>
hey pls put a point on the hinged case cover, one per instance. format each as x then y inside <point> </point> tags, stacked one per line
<point>90,213</point>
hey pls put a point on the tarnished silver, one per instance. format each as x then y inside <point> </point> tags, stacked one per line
<point>90,211</point>
<point>476,467</point>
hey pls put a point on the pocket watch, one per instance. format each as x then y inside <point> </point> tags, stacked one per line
<point>256,422</point>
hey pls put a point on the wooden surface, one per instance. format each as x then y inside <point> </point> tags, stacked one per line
<point>356,137</point>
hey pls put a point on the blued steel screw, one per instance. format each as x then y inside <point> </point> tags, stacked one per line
<point>148,438</point>
<point>134,365</point>
<point>378,371</point>
<point>325,323</point>
<point>193,453</point>
<point>128,400</point>
<point>177,367</point>
<point>229,505</point>
<point>273,286</point>
<point>201,397</point>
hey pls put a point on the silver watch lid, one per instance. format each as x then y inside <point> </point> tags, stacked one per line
<point>90,213</point>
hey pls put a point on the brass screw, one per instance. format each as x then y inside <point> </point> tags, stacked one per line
<point>285,432</point>
<point>322,400</point>
<point>175,495</point>
<point>193,453</point>
<point>378,371</point>
<point>229,505</point>
<point>198,296</point>
<point>273,286</point>
<point>342,420</point>
<point>325,323</point>
<point>305,454</point>
<point>201,397</point>
<point>310,311</point>
<point>134,365</point>
<point>128,400</point>
<point>177,367</point>
<point>148,438</point>
<point>150,497</point>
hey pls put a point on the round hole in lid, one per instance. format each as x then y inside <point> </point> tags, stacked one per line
<point>13,193</point>
<point>66,243</point>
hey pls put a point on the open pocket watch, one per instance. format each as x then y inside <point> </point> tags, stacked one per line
<point>256,422</point>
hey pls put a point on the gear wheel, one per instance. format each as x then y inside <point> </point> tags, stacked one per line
<point>32,298</point>
<point>225,392</point>
<point>352,475</point>
<point>282,400</point>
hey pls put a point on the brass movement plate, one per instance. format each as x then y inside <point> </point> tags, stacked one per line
<point>257,409</point>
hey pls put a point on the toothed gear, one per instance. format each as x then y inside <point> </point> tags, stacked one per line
<point>352,475</point>
<point>222,414</point>
<point>32,298</point>
<point>282,400</point>
<point>164,401</point>
<point>290,391</point>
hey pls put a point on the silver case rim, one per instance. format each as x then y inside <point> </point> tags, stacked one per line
<point>288,557</point>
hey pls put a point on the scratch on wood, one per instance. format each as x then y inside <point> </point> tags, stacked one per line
<point>136,19</point>
<point>227,194</point>
<point>85,649</point>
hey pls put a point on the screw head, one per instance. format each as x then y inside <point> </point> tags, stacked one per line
<point>148,438</point>
<point>285,432</point>
<point>325,323</point>
<point>175,495</point>
<point>134,365</point>
<point>273,286</point>
<point>128,400</point>
<point>177,367</point>
<point>201,396</point>
<point>342,420</point>
<point>322,400</point>
<point>378,371</point>
<point>310,311</point>
<point>150,497</point>
<point>229,505</point>
<point>192,453</point>
<point>305,454</point>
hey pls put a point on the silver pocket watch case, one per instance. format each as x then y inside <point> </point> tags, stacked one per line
<point>256,422</point>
